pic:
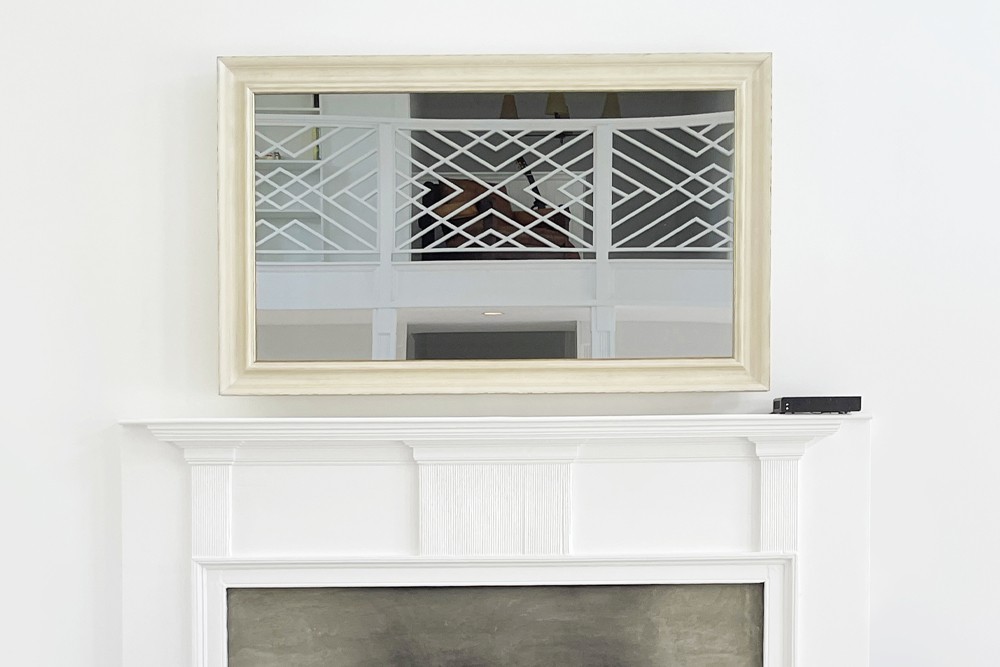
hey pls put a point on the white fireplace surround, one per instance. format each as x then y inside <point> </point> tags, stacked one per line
<point>539,500</point>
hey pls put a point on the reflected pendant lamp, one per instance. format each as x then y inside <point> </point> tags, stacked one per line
<point>555,105</point>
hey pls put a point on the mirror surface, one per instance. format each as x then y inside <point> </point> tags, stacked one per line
<point>491,226</point>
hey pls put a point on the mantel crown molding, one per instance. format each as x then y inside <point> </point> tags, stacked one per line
<point>764,430</point>
<point>449,451</point>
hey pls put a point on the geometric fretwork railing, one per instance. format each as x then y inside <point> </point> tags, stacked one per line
<point>463,191</point>
<point>458,189</point>
<point>316,189</point>
<point>672,190</point>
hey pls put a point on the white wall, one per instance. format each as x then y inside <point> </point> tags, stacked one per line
<point>885,283</point>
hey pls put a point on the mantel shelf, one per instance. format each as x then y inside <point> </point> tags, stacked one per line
<point>204,432</point>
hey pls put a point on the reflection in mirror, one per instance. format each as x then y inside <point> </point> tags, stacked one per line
<point>492,226</point>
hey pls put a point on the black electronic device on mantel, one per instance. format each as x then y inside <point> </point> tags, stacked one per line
<point>816,404</point>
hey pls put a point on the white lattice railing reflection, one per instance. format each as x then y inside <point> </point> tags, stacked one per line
<point>335,189</point>
<point>463,189</point>
<point>672,189</point>
<point>316,186</point>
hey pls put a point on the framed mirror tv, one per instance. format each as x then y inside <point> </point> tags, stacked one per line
<point>494,224</point>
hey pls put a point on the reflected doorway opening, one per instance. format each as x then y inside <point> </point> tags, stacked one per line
<point>556,343</point>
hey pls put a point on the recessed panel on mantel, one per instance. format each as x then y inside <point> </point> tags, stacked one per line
<point>416,226</point>
<point>324,510</point>
<point>664,507</point>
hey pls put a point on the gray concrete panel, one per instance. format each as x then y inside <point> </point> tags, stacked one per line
<point>527,626</point>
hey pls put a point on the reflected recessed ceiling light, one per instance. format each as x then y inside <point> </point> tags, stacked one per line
<point>490,313</point>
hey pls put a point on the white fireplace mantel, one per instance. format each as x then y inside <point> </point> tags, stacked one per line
<point>495,500</point>
<point>187,432</point>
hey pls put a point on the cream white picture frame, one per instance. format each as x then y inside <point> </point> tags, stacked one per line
<point>748,75</point>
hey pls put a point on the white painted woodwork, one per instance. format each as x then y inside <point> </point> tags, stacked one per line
<point>671,436</point>
<point>505,500</point>
<point>311,510</point>
<point>214,577</point>
<point>211,491</point>
<point>698,505</point>
<point>494,509</point>
<point>779,489</point>
<point>494,497</point>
